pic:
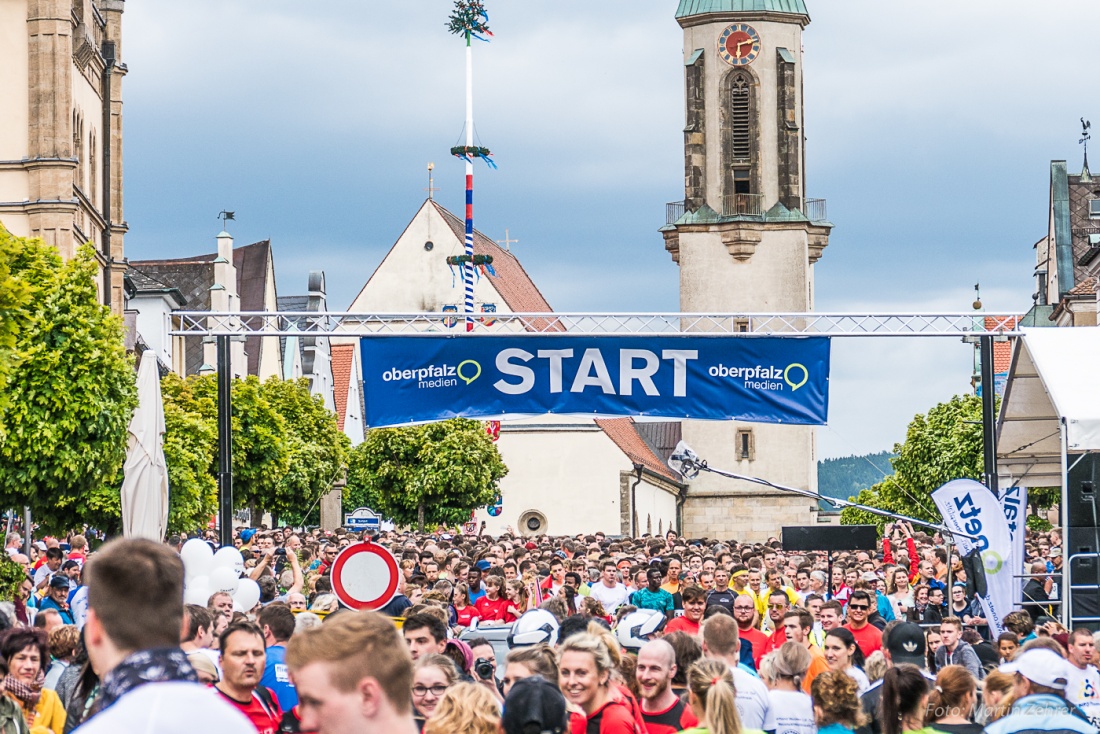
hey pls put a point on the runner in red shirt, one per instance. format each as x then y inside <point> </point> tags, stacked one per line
<point>695,603</point>
<point>662,709</point>
<point>867,636</point>
<point>493,607</point>
<point>744,611</point>
<point>243,657</point>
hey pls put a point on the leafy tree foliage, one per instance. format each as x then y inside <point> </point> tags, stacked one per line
<point>944,444</point>
<point>287,447</point>
<point>317,450</point>
<point>14,295</point>
<point>425,475</point>
<point>71,389</point>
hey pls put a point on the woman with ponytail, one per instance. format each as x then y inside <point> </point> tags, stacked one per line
<point>586,673</point>
<point>905,701</point>
<point>951,702</point>
<point>713,699</point>
<point>794,711</point>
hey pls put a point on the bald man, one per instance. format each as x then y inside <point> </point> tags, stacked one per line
<point>662,709</point>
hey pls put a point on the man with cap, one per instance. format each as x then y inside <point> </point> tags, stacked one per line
<point>1039,692</point>
<point>902,644</point>
<point>57,598</point>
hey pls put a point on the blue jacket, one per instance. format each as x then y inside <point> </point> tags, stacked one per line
<point>1042,712</point>
<point>885,609</point>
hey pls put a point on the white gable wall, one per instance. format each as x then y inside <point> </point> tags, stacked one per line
<point>414,280</point>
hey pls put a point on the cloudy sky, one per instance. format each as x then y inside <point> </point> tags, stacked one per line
<point>930,129</point>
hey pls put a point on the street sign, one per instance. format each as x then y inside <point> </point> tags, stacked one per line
<point>364,576</point>
<point>362,518</point>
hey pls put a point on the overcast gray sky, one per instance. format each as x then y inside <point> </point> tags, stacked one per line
<point>930,129</point>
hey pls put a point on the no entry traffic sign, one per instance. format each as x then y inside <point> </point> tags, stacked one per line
<point>364,576</point>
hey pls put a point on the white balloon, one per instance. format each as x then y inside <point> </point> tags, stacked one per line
<point>237,608</point>
<point>197,558</point>
<point>229,557</point>
<point>224,578</point>
<point>248,594</point>
<point>197,595</point>
<point>198,582</point>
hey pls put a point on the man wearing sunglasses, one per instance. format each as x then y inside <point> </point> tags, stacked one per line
<point>867,635</point>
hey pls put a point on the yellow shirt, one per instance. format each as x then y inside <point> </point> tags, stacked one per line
<point>49,714</point>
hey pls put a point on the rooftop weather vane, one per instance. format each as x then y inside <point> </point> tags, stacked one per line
<point>226,216</point>
<point>1086,136</point>
<point>470,21</point>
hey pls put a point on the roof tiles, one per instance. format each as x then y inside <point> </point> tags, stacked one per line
<point>625,435</point>
<point>343,361</point>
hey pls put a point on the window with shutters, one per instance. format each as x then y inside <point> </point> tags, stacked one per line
<point>740,121</point>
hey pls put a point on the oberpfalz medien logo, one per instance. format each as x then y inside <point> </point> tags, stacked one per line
<point>435,375</point>
<point>761,377</point>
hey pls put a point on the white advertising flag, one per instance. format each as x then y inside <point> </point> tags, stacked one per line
<point>1014,506</point>
<point>969,507</point>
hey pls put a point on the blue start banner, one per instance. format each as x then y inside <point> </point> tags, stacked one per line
<point>763,380</point>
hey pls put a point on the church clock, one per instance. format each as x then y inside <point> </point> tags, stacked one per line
<point>739,45</point>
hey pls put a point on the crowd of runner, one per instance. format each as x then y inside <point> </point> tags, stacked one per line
<point>588,635</point>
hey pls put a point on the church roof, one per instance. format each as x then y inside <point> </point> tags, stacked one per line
<point>702,7</point>
<point>512,282</point>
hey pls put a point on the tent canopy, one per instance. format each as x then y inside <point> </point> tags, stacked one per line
<point>1053,378</point>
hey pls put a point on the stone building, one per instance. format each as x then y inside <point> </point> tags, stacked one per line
<point>746,237</point>
<point>61,129</point>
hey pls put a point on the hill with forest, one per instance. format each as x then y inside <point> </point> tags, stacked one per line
<point>844,477</point>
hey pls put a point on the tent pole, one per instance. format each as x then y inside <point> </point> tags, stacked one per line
<point>1067,575</point>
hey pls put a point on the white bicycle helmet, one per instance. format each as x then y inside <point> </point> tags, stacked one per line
<point>534,627</point>
<point>635,628</point>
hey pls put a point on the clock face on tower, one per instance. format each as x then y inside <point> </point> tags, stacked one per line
<point>739,45</point>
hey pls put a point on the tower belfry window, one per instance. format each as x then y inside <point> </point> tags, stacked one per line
<point>740,139</point>
<point>740,118</point>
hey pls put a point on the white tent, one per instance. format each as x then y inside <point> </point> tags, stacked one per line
<point>145,483</point>
<point>1051,405</point>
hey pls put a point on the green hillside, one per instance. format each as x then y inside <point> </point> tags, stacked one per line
<point>845,477</point>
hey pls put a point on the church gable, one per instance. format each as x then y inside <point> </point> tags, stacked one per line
<point>414,275</point>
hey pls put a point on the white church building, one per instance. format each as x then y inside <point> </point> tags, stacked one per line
<point>566,474</point>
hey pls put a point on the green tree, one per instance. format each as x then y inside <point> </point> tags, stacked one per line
<point>944,444</point>
<point>71,389</point>
<point>317,449</point>
<point>425,475</point>
<point>14,295</point>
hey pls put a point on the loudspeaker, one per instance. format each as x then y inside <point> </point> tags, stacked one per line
<point>1081,540</point>
<point>830,538</point>
<point>1082,503</point>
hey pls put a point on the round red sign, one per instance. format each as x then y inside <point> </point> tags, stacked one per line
<point>364,576</point>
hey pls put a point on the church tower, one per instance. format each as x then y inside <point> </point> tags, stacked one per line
<point>746,238</point>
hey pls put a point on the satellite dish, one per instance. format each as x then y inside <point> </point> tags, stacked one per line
<point>685,462</point>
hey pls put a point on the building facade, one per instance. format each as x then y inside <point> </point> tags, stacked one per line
<point>61,76</point>
<point>746,237</point>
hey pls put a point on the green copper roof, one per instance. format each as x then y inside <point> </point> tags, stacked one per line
<point>699,7</point>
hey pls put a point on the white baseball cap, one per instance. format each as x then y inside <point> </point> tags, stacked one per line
<point>1042,666</point>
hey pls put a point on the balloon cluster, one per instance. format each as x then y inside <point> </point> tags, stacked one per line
<point>206,572</point>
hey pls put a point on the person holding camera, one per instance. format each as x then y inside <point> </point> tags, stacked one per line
<point>484,669</point>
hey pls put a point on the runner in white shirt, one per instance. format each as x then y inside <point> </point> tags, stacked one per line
<point>794,710</point>
<point>608,591</point>
<point>721,641</point>
<point>1083,686</point>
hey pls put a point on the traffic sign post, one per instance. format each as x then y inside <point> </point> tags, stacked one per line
<point>365,576</point>
<point>363,518</point>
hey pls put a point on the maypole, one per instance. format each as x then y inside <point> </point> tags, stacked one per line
<point>470,20</point>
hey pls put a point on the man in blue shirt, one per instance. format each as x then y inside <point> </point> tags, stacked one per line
<point>57,598</point>
<point>277,623</point>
